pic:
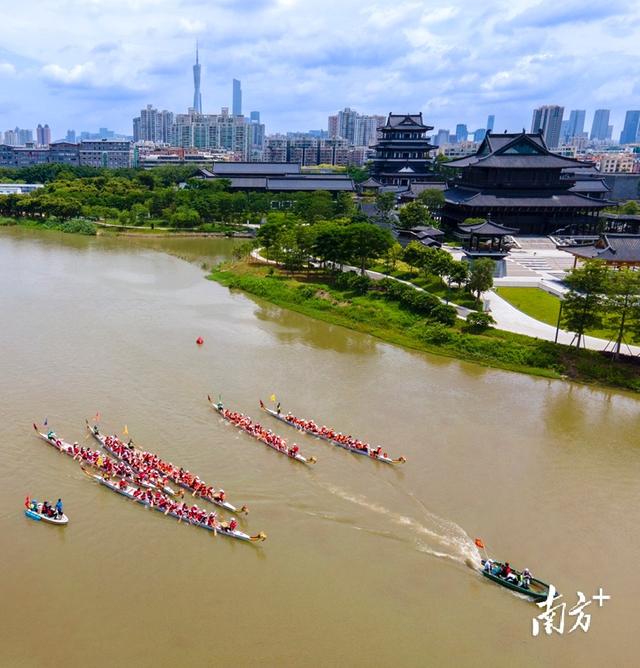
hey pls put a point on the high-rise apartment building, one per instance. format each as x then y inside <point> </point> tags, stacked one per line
<point>332,126</point>
<point>357,129</point>
<point>10,138</point>
<point>600,125</point>
<point>71,136</point>
<point>236,105</point>
<point>153,125</point>
<point>548,120</point>
<point>222,130</point>
<point>43,135</point>
<point>197,95</point>
<point>254,116</point>
<point>631,130</point>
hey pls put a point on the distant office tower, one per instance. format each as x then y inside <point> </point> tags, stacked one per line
<point>609,132</point>
<point>479,134</point>
<point>491,119</point>
<point>236,106</point>
<point>71,136</point>
<point>254,116</point>
<point>564,131</point>
<point>576,123</point>
<point>462,134</point>
<point>10,137</point>
<point>600,124</point>
<point>442,138</point>
<point>197,96</point>
<point>548,120</point>
<point>631,131</point>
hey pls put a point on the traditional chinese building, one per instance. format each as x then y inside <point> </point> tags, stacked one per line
<point>487,239</point>
<point>521,184</point>
<point>402,152</point>
<point>617,250</point>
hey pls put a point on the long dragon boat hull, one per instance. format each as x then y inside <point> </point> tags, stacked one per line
<point>369,454</point>
<point>67,449</point>
<point>128,492</point>
<point>223,504</point>
<point>38,516</point>
<point>296,457</point>
<point>537,590</point>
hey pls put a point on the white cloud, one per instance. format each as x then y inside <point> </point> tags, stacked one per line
<point>299,60</point>
<point>70,75</point>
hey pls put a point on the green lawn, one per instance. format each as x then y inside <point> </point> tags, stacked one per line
<point>544,307</point>
<point>534,302</point>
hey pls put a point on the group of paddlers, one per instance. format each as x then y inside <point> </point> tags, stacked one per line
<point>332,435</point>
<point>258,431</point>
<point>159,471</point>
<point>181,510</point>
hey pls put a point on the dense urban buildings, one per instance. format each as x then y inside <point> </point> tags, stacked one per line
<point>110,153</point>
<point>518,182</point>
<point>358,129</point>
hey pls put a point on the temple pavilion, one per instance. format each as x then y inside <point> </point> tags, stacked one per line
<point>486,239</point>
<point>402,152</point>
<point>522,184</point>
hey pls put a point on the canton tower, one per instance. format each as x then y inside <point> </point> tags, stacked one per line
<point>197,97</point>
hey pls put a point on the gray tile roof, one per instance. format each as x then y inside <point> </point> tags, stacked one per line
<point>256,168</point>
<point>610,248</point>
<point>473,198</point>
<point>302,183</point>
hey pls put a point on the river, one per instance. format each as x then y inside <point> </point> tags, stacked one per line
<point>365,564</point>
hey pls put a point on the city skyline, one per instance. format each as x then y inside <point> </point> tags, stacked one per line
<point>299,66</point>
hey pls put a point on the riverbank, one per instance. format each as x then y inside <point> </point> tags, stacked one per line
<point>317,296</point>
<point>96,228</point>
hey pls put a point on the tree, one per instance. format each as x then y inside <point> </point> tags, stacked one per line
<point>413,254</point>
<point>481,276</point>
<point>583,304</point>
<point>392,256</point>
<point>623,303</point>
<point>478,322</point>
<point>385,203</point>
<point>365,241</point>
<point>458,272</point>
<point>473,221</point>
<point>414,214</point>
<point>631,208</point>
<point>431,198</point>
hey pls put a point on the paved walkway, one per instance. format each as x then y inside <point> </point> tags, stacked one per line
<point>507,317</point>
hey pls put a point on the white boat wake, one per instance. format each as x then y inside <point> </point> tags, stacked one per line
<point>433,535</point>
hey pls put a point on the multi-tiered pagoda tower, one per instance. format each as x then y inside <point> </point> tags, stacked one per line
<point>402,152</point>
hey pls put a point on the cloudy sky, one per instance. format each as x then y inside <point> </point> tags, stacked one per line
<point>83,64</point>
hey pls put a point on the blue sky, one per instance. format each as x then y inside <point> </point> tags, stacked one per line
<point>87,63</point>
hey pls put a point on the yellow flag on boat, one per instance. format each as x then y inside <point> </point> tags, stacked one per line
<point>125,431</point>
<point>273,397</point>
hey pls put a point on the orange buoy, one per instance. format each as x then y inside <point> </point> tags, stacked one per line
<point>199,340</point>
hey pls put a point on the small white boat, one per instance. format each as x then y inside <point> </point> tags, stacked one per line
<point>38,516</point>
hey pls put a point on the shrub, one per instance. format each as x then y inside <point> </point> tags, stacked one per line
<point>479,322</point>
<point>435,333</point>
<point>444,314</point>
<point>306,291</point>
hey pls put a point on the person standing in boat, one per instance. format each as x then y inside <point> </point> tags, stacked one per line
<point>59,508</point>
<point>488,565</point>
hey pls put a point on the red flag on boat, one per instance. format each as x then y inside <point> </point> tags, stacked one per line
<point>96,417</point>
<point>27,502</point>
<point>479,543</point>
